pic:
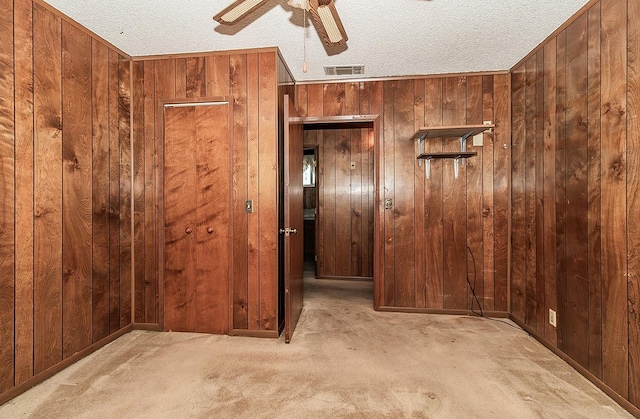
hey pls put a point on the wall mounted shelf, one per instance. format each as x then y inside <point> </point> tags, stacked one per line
<point>463,132</point>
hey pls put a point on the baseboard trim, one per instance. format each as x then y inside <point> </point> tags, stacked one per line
<point>497,314</point>
<point>154,327</point>
<point>255,333</point>
<point>624,403</point>
<point>50,372</point>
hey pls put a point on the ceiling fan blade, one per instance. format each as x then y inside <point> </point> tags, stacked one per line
<point>328,22</point>
<point>237,10</point>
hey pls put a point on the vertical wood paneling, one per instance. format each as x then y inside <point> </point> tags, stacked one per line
<point>217,75</point>
<point>561,201</point>
<point>7,200</point>
<point>419,199</point>
<point>138,193</point>
<point>539,192</point>
<point>502,163</point>
<point>355,194</point>
<point>474,240</point>
<point>114,194</point>
<point>327,204</point>
<point>253,119</point>
<point>100,197</point>
<point>404,199</point>
<point>594,194</point>
<point>196,77</point>
<point>24,132</point>
<point>343,233</point>
<point>388,161</point>
<point>615,328</point>
<point>577,198</point>
<point>238,82</point>
<point>76,190</point>
<point>433,197</point>
<point>151,288</point>
<point>268,192</point>
<point>454,106</point>
<point>549,201</point>
<point>333,99</point>
<point>488,263</point>
<point>530,237</point>
<point>126,194</point>
<point>47,189</point>
<point>518,168</point>
<point>633,201</point>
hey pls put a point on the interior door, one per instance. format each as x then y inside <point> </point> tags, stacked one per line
<point>197,192</point>
<point>293,216</point>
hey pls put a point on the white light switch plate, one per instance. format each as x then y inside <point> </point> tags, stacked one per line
<point>552,318</point>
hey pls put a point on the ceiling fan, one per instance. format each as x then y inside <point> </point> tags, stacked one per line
<point>323,13</point>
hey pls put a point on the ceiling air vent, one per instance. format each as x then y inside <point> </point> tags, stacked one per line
<point>343,70</point>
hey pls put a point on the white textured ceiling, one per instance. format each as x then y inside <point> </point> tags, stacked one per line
<point>390,37</point>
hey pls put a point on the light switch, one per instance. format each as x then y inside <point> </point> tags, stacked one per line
<point>248,206</point>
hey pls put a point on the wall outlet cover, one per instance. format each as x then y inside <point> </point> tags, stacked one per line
<point>553,321</point>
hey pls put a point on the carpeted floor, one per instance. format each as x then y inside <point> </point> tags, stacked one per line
<point>345,360</point>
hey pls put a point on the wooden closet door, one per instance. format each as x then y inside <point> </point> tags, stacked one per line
<point>197,218</point>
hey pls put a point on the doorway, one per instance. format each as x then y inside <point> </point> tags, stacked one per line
<point>339,204</point>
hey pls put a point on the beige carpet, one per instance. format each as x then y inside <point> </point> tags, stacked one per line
<point>345,360</point>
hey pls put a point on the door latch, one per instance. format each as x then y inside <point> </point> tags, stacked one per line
<point>288,231</point>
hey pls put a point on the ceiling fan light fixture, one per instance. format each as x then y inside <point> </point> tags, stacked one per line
<point>237,10</point>
<point>328,22</point>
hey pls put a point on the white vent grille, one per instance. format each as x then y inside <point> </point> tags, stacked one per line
<point>343,70</point>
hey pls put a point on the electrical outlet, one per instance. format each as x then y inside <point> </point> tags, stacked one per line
<point>552,318</point>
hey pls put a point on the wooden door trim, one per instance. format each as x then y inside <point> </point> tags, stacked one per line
<point>160,198</point>
<point>378,211</point>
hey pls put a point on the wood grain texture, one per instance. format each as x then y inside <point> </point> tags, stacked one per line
<point>388,177</point>
<point>540,279</point>
<point>217,75</point>
<point>433,197</point>
<point>47,189</point>
<point>404,199</point>
<point>594,194</point>
<point>238,82</point>
<point>529,163</point>
<point>560,152</point>
<point>502,164</point>
<point>577,326</point>
<point>268,192</point>
<point>549,201</point>
<point>633,201</point>
<point>253,178</point>
<point>24,133</point>
<point>213,217</point>
<point>126,194</point>
<point>7,199</point>
<point>180,219</point>
<point>615,328</point>
<point>181,78</point>
<point>475,238</point>
<point>518,164</point>
<point>196,84</point>
<point>150,260</point>
<point>488,262</point>
<point>343,232</point>
<point>454,198</point>
<point>100,189</point>
<point>419,199</point>
<point>76,191</point>
<point>138,193</point>
<point>114,194</point>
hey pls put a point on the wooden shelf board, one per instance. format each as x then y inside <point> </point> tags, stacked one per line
<point>448,155</point>
<point>451,131</point>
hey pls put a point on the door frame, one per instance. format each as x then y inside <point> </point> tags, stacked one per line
<point>160,199</point>
<point>378,185</point>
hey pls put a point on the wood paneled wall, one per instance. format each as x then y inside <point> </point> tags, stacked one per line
<point>345,201</point>
<point>432,222</point>
<point>65,191</point>
<point>251,80</point>
<point>576,170</point>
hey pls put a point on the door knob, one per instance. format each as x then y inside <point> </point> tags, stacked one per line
<point>209,230</point>
<point>188,230</point>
